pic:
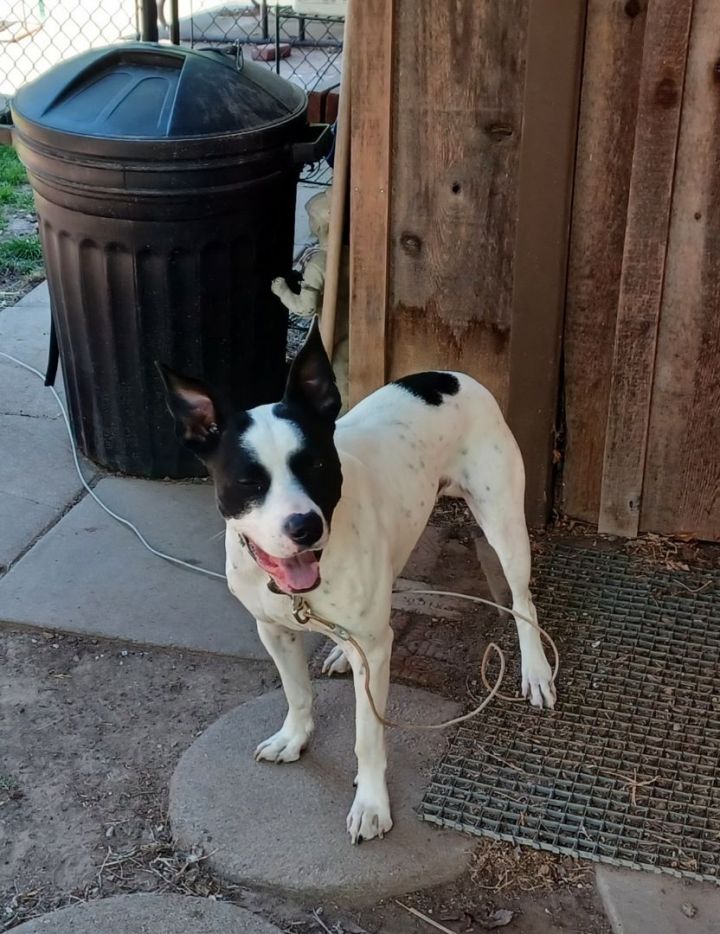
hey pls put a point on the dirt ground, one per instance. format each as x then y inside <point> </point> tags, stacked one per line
<point>90,733</point>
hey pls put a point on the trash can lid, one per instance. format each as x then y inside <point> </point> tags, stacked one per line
<point>143,91</point>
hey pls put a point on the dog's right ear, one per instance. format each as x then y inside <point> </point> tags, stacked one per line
<point>197,416</point>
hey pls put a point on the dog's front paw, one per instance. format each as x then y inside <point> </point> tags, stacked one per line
<point>336,662</point>
<point>284,746</point>
<point>369,817</point>
<point>279,286</point>
<point>537,681</point>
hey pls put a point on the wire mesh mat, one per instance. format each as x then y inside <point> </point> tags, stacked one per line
<point>626,770</point>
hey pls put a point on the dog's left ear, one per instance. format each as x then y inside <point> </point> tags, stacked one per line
<point>197,416</point>
<point>311,381</point>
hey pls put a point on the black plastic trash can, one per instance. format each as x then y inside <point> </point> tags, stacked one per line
<point>165,183</point>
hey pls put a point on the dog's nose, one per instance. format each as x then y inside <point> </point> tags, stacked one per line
<point>304,528</point>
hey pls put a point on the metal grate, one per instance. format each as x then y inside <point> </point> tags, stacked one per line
<point>627,769</point>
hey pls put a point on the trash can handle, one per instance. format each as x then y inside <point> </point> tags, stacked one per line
<point>313,150</point>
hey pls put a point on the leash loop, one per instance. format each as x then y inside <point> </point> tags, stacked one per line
<point>303,614</point>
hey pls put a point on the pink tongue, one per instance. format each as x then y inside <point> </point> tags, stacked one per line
<point>292,575</point>
<point>301,572</point>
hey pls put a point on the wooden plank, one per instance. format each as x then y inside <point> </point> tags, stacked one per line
<point>457,125</point>
<point>338,199</point>
<point>656,135</point>
<point>609,99</point>
<point>682,474</point>
<point>552,84</point>
<point>371,106</point>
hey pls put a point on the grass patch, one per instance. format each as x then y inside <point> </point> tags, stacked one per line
<point>23,200</point>
<point>20,256</point>
<point>8,784</point>
<point>11,169</point>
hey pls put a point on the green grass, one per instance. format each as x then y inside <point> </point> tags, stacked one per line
<point>19,256</point>
<point>8,782</point>
<point>11,169</point>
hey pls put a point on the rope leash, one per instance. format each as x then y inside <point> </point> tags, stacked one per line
<point>303,614</point>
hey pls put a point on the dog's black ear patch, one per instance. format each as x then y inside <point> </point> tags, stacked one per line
<point>430,387</point>
<point>311,381</point>
<point>197,416</point>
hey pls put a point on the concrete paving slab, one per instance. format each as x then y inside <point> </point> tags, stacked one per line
<point>22,393</point>
<point>25,328</point>
<point>91,575</point>
<point>283,826</point>
<point>648,903</point>
<point>149,914</point>
<point>36,461</point>
<point>21,521</point>
<point>37,480</point>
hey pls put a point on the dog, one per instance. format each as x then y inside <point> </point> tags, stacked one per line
<point>333,510</point>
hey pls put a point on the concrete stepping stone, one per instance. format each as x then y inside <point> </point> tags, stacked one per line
<point>149,914</point>
<point>637,902</point>
<point>282,826</point>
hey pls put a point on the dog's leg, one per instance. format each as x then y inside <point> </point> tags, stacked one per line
<point>507,535</point>
<point>286,650</point>
<point>370,813</point>
<point>500,513</point>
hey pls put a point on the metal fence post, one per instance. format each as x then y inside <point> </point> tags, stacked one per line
<point>149,31</point>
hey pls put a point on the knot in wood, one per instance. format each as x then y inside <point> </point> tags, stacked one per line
<point>411,243</point>
<point>666,93</point>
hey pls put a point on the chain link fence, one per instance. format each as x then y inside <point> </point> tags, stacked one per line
<point>304,47</point>
<point>37,34</point>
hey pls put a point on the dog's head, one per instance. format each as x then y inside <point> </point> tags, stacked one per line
<point>276,471</point>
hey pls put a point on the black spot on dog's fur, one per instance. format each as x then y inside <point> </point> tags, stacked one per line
<point>241,481</point>
<point>430,387</point>
<point>316,464</point>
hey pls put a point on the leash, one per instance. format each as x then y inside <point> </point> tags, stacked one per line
<point>303,614</point>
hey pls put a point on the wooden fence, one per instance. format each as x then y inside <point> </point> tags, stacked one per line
<point>642,324</point>
<point>468,149</point>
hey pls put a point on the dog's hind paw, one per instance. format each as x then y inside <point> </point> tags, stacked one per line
<point>336,662</point>
<point>368,819</point>
<point>283,746</point>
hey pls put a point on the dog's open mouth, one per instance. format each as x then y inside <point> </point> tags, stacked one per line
<point>297,574</point>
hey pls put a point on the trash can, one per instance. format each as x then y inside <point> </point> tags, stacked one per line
<point>165,181</point>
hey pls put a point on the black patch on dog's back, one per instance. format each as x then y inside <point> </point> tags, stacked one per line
<point>430,387</point>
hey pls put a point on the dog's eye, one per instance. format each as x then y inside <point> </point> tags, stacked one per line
<point>247,483</point>
<point>317,463</point>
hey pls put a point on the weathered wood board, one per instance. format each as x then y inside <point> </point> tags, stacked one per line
<point>371,108</point>
<point>457,118</point>
<point>641,283</point>
<point>614,37</point>
<point>681,491</point>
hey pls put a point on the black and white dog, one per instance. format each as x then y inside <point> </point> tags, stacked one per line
<point>333,511</point>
